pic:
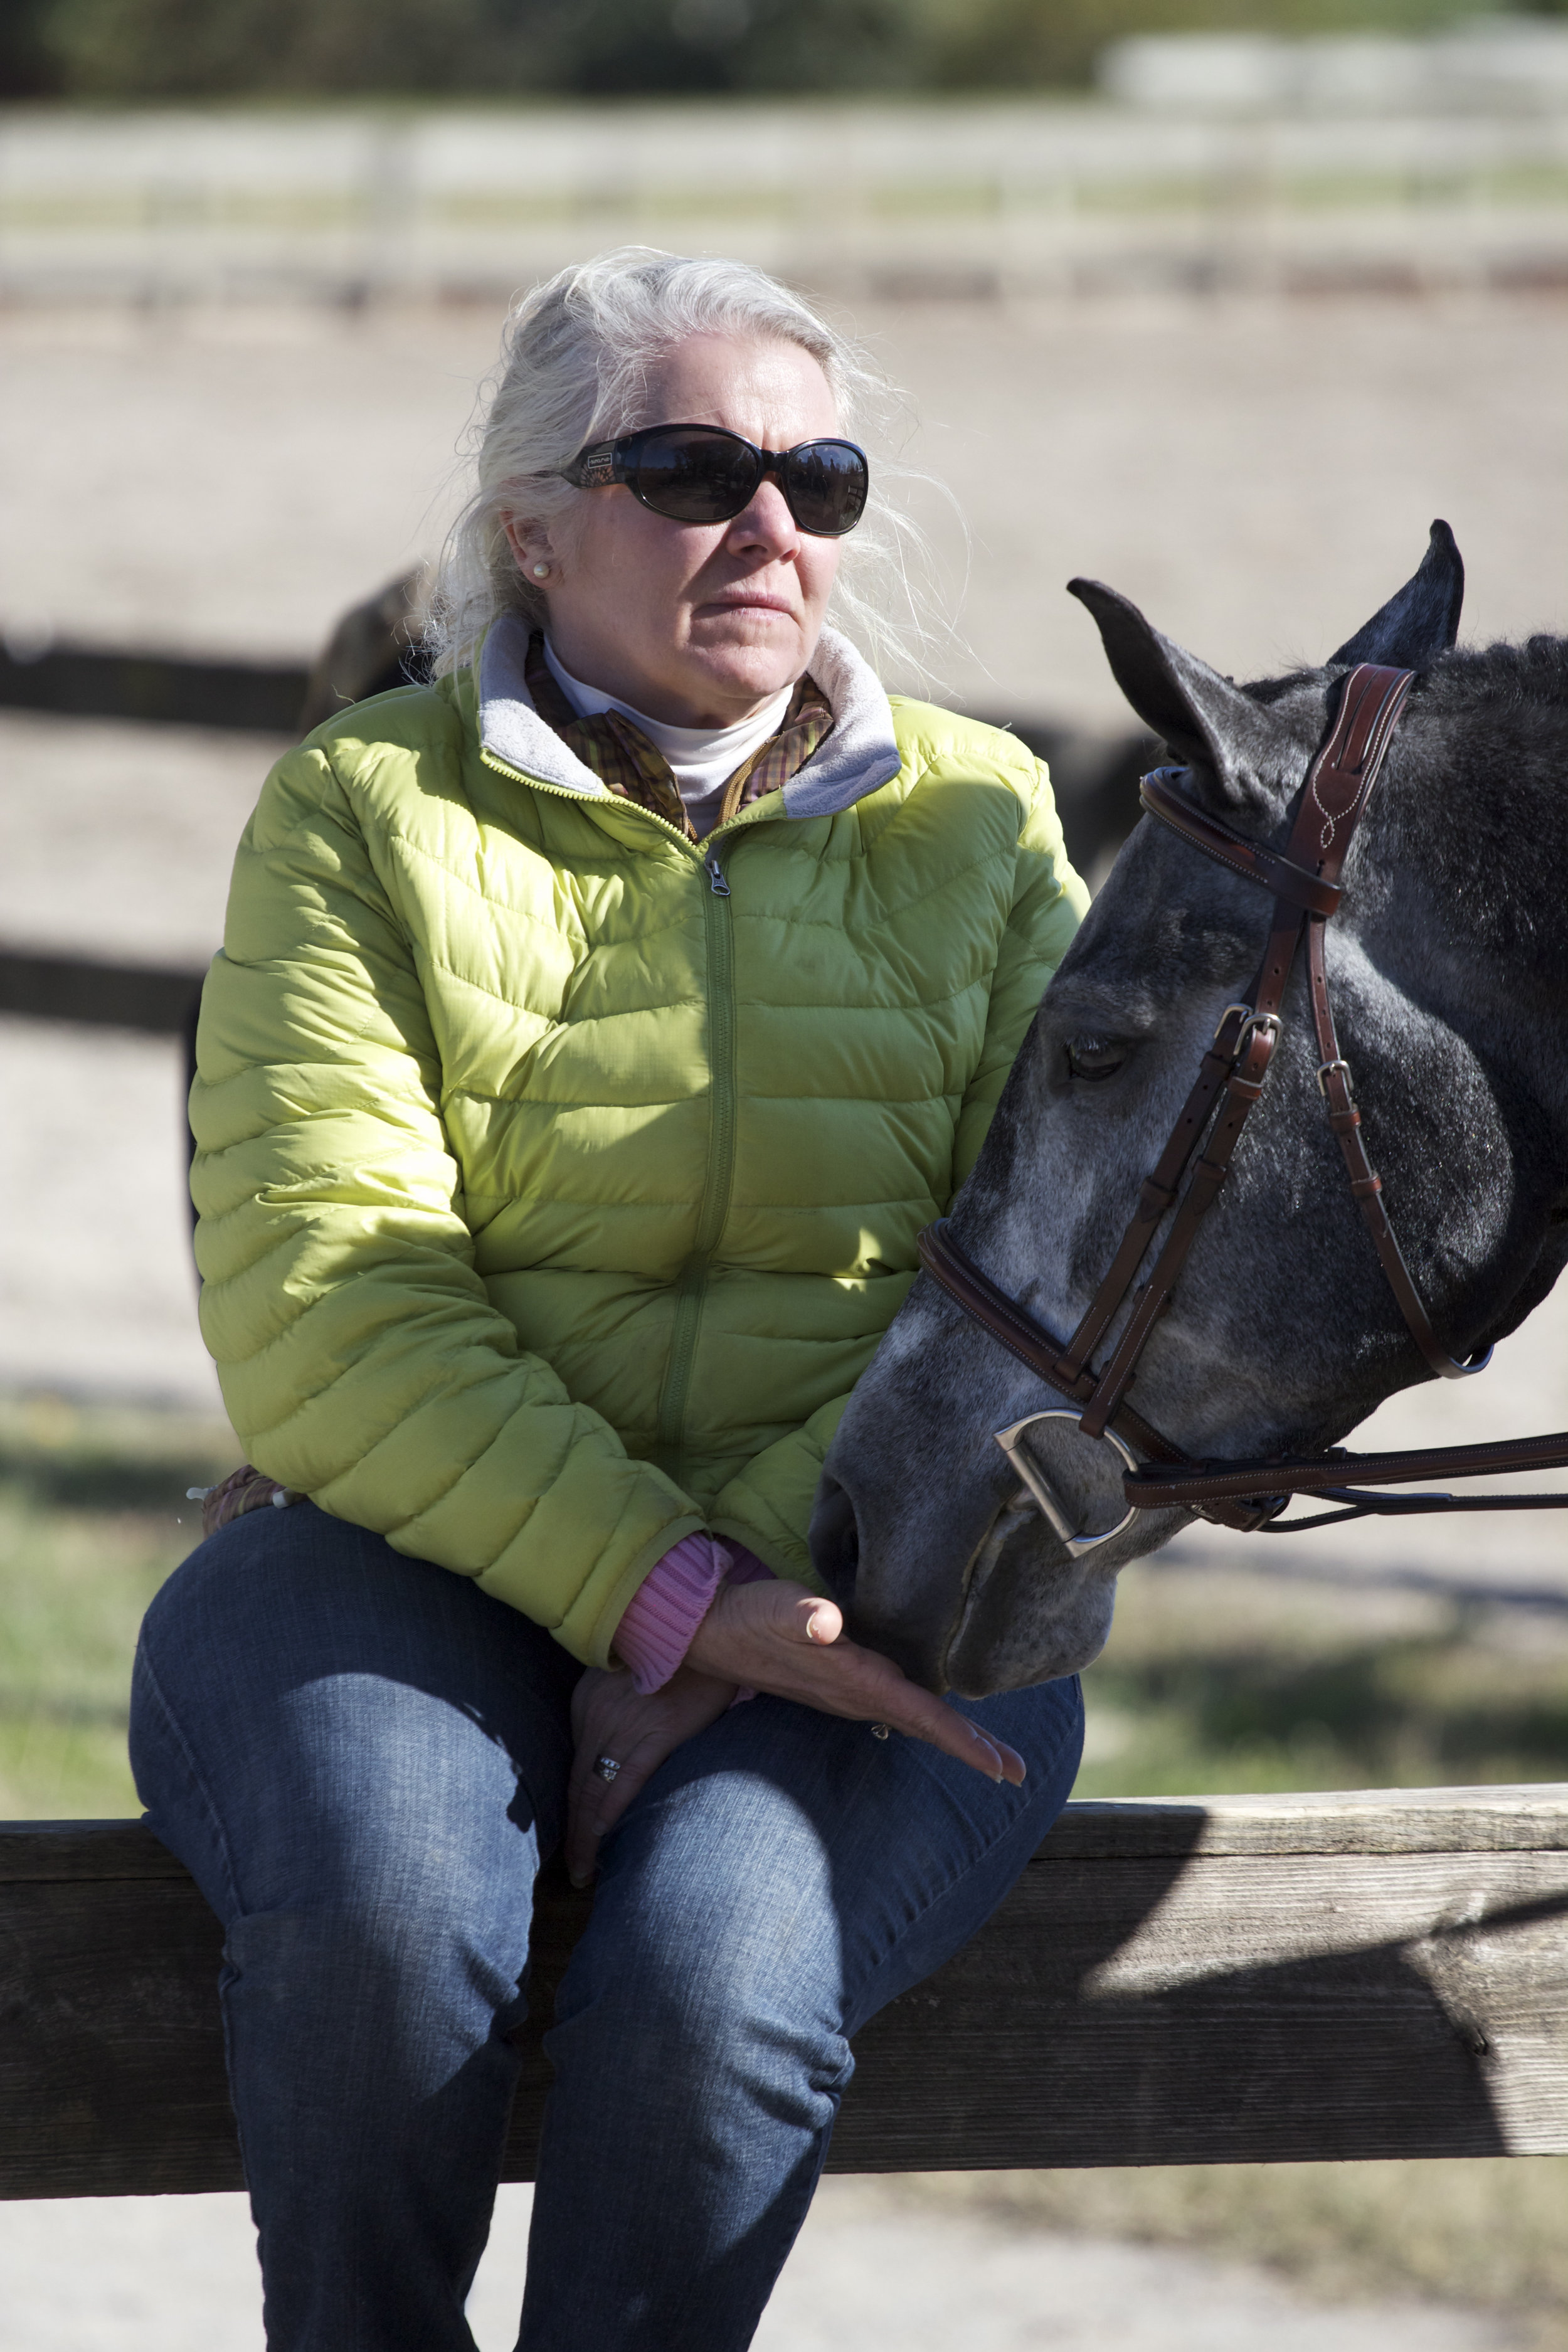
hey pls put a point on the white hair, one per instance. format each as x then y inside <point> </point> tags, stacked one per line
<point>576,356</point>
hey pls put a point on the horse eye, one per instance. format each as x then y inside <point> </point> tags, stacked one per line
<point>1095,1057</point>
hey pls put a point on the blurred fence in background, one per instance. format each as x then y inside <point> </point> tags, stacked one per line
<point>1497,65</point>
<point>978,198</point>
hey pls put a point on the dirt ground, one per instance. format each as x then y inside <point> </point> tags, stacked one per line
<point>1260,475</point>
<point>177,2275</point>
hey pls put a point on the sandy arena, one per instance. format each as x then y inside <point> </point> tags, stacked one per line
<point>1258,474</point>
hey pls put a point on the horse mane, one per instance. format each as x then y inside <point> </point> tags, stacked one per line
<point>1467,679</point>
<point>1474,678</point>
<point>1483,751</point>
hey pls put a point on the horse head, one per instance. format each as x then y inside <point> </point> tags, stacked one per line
<point>1448,963</point>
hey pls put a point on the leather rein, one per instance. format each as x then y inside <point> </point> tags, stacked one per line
<point>1304,883</point>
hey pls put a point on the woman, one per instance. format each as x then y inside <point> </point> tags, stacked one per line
<point>593,1032</point>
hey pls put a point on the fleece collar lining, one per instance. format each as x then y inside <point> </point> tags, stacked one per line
<point>859,756</point>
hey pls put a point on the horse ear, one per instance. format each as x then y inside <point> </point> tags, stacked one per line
<point>1423,620</point>
<point>1207,721</point>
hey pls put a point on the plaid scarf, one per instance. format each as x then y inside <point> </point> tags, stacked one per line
<point>622,757</point>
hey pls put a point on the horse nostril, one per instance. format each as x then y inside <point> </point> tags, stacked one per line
<point>835,1539</point>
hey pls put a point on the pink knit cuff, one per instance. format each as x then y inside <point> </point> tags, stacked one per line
<point>661,1617</point>
<point>668,1607</point>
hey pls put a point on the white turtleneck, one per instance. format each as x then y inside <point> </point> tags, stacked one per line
<point>701,759</point>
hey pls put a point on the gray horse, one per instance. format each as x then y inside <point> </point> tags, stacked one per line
<point>1448,964</point>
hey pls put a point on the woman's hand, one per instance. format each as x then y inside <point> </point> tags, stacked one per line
<point>775,1637</point>
<point>611,1718</point>
<point>781,1638</point>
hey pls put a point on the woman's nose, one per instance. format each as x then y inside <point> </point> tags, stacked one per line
<point>765,522</point>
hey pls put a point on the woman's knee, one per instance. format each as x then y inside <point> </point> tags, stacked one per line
<point>380,1833</point>
<point>713,1951</point>
<point>406,1996</point>
<point>788,1874</point>
<point>316,1719</point>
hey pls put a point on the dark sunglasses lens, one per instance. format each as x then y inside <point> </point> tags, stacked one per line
<point>695,476</point>
<point>826,484</point>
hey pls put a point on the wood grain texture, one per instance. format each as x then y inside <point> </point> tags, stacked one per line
<point>1380,1973</point>
<point>1528,1817</point>
<point>49,1851</point>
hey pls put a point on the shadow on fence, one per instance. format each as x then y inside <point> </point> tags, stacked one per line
<point>372,649</point>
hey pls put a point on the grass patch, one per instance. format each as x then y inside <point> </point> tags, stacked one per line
<point>1223,1680</point>
<point>93,1517</point>
<point>1483,2232</point>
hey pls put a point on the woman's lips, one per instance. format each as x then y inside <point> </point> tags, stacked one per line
<point>747,604</point>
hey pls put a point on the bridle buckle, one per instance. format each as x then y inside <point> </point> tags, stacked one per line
<point>1251,1023</point>
<point>1051,1505</point>
<point>1325,1068</point>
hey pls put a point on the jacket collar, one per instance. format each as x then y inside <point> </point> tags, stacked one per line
<point>859,756</point>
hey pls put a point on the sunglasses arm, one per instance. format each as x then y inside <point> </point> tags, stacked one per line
<point>596,469</point>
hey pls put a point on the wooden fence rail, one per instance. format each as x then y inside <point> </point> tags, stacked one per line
<point>1172,1981</point>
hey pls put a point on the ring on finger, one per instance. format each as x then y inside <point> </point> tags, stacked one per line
<point>605,1767</point>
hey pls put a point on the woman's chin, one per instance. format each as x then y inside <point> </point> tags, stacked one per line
<point>748,631</point>
<point>740,677</point>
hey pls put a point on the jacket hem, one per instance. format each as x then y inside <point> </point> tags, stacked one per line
<point>789,1560</point>
<point>629,1582</point>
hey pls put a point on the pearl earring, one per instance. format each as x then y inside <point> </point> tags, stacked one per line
<point>541,571</point>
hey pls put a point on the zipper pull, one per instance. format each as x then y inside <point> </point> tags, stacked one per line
<point>716,882</point>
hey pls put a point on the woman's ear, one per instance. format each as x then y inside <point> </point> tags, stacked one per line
<point>532,552</point>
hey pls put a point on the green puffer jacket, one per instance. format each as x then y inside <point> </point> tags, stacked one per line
<point>557,1179</point>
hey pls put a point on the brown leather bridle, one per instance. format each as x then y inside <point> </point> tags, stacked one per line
<point>1304,883</point>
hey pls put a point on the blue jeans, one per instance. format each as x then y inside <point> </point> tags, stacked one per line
<point>362,1760</point>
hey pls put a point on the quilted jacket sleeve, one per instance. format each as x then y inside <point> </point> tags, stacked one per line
<point>1049,902</point>
<point>768,1507</point>
<point>359,1356</point>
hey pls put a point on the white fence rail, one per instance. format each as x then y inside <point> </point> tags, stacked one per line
<point>973,198</point>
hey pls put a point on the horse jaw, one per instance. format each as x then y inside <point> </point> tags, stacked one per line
<point>963,1583</point>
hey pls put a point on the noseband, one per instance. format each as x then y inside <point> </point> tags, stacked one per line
<point>1304,883</point>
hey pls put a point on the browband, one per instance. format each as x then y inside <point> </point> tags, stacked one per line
<point>1248,858</point>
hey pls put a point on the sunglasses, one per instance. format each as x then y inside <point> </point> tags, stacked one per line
<point>699,473</point>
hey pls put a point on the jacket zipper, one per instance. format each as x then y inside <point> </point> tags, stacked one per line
<point>719,1178</point>
<point>501,767</point>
